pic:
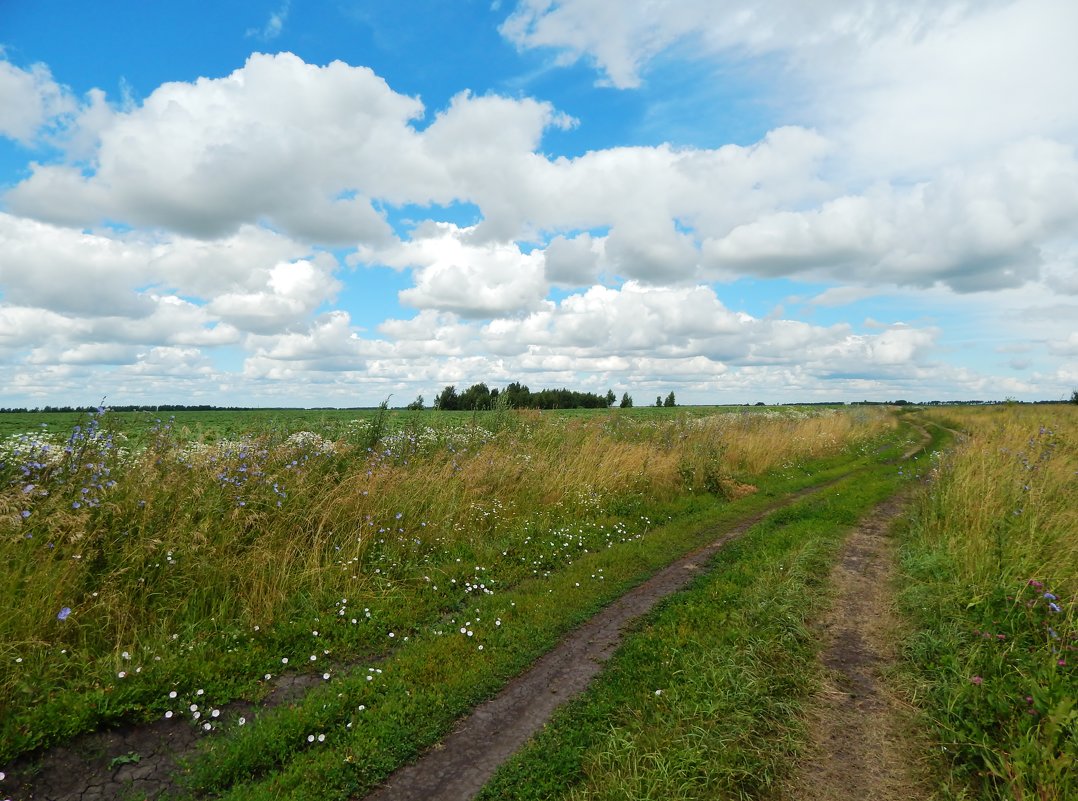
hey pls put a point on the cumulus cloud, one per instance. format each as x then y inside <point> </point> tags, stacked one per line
<point>973,228</point>
<point>455,273</point>
<point>265,142</point>
<point>30,100</point>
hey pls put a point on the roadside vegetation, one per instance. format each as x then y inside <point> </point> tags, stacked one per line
<point>707,698</point>
<point>408,566</point>
<point>991,576</point>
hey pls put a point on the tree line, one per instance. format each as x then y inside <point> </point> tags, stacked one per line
<point>519,396</point>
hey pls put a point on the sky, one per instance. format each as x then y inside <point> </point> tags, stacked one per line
<point>332,203</point>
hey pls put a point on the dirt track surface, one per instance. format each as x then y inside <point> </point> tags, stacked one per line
<point>464,761</point>
<point>860,749</point>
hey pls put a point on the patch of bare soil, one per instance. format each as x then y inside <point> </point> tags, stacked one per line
<point>136,761</point>
<point>861,745</point>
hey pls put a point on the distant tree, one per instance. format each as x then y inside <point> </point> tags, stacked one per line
<point>670,402</point>
<point>626,401</point>
<point>659,401</point>
<point>1074,396</point>
<point>416,405</point>
<point>447,399</point>
<point>477,396</point>
<point>611,398</point>
<point>517,395</point>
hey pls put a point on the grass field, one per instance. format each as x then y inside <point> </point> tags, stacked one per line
<point>991,585</point>
<point>409,564</point>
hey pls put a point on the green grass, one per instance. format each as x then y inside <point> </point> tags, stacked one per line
<point>991,574</point>
<point>427,685</point>
<point>186,574</point>
<point>705,699</point>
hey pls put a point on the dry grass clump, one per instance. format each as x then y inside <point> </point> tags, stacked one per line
<point>1004,502</point>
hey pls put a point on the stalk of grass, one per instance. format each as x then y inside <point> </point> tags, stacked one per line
<point>992,576</point>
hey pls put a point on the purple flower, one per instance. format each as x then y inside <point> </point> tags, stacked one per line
<point>25,513</point>
<point>63,613</point>
<point>976,680</point>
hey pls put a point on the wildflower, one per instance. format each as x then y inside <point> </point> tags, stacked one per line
<point>1054,607</point>
<point>976,680</point>
<point>1048,596</point>
<point>63,613</point>
<point>172,694</point>
<point>241,721</point>
<point>206,726</point>
<point>25,513</point>
<point>122,674</point>
<point>321,738</point>
<point>168,714</point>
<point>216,713</point>
<point>310,738</point>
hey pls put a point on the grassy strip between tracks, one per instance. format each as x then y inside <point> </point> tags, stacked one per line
<point>348,735</point>
<point>704,700</point>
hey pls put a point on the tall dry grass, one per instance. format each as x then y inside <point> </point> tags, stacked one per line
<point>176,543</point>
<point>1005,503</point>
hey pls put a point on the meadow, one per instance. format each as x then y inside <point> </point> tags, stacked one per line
<point>154,561</point>
<point>991,584</point>
<point>404,566</point>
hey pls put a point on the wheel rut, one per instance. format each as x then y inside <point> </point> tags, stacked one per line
<point>458,767</point>
<point>860,741</point>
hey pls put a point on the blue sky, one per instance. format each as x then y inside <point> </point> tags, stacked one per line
<point>326,203</point>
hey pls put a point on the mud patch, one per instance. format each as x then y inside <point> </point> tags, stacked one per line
<point>859,732</point>
<point>137,761</point>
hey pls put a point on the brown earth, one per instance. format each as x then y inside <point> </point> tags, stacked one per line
<point>862,746</point>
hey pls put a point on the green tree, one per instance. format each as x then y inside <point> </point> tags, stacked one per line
<point>416,405</point>
<point>477,396</point>
<point>626,401</point>
<point>659,401</point>
<point>447,399</point>
<point>611,398</point>
<point>670,400</point>
<point>1074,396</point>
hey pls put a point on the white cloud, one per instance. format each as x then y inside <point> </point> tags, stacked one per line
<point>274,25</point>
<point>621,39</point>
<point>266,142</point>
<point>30,100</point>
<point>473,279</point>
<point>975,228</point>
